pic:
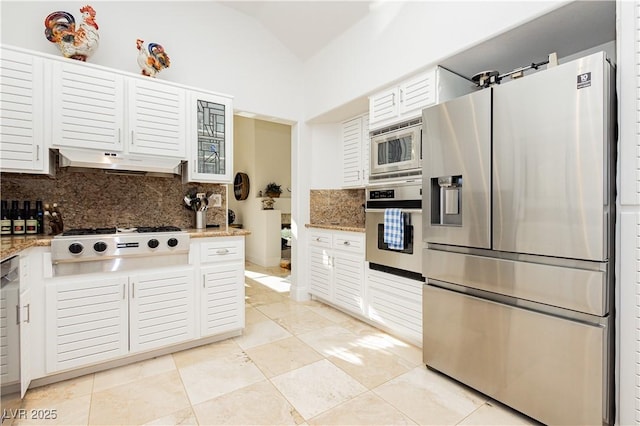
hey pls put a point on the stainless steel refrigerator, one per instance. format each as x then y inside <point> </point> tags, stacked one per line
<point>519,198</point>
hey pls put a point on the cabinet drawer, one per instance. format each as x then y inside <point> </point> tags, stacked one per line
<point>351,242</point>
<point>320,239</point>
<point>221,251</point>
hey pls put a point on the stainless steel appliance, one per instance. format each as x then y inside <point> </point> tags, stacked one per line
<point>520,197</point>
<point>408,197</point>
<point>11,308</point>
<point>82,251</point>
<point>396,151</point>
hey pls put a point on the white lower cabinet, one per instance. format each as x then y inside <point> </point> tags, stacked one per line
<point>86,321</point>
<point>161,309</point>
<point>222,285</point>
<point>92,319</point>
<point>337,268</point>
<point>338,275</point>
<point>395,303</point>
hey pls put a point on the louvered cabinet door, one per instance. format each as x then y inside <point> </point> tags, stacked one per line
<point>157,118</point>
<point>349,282</point>
<point>352,170</point>
<point>418,93</point>
<point>86,321</point>
<point>21,113</point>
<point>162,308</point>
<point>396,304</point>
<point>321,273</point>
<point>383,106</point>
<point>222,298</point>
<point>87,107</point>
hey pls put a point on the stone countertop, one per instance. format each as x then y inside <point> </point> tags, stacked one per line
<point>12,245</point>
<point>335,227</point>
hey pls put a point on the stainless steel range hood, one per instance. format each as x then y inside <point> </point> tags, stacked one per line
<point>116,161</point>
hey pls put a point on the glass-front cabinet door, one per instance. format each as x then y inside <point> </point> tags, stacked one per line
<point>210,141</point>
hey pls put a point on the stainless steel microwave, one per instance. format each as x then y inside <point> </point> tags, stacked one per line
<point>396,151</point>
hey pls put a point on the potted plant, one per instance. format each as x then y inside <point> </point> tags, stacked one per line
<point>273,190</point>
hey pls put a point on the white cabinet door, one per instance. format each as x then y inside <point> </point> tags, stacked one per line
<point>417,93</point>
<point>349,282</point>
<point>396,304</point>
<point>366,150</point>
<point>222,298</point>
<point>87,107</point>
<point>87,321</point>
<point>157,118</point>
<point>210,138</point>
<point>25,341</point>
<point>161,309</point>
<point>321,273</point>
<point>383,105</point>
<point>21,113</point>
<point>352,170</point>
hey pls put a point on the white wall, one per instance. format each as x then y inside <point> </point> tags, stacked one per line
<point>400,38</point>
<point>210,46</point>
<point>326,152</point>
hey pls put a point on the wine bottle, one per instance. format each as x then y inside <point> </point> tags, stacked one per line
<point>31,224</point>
<point>17,219</point>
<point>40,216</point>
<point>5,219</point>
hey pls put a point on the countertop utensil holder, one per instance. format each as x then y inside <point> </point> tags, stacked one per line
<point>201,219</point>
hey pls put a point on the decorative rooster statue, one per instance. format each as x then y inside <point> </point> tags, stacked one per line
<point>60,28</point>
<point>152,58</point>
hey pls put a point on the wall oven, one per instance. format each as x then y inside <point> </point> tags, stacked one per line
<point>406,261</point>
<point>396,151</point>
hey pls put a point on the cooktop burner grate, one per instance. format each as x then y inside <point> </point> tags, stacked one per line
<point>106,231</point>
<point>159,229</point>
<point>89,231</point>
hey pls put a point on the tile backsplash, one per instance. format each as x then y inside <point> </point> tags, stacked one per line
<point>343,207</point>
<point>96,199</point>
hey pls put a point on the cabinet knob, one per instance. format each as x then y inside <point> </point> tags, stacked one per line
<point>318,239</point>
<point>347,243</point>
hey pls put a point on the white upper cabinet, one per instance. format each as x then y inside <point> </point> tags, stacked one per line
<point>88,107</point>
<point>210,138</point>
<point>104,110</point>
<point>157,120</point>
<point>21,113</point>
<point>406,100</point>
<point>355,152</point>
<point>417,93</point>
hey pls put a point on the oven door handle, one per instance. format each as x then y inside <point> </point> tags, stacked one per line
<point>403,210</point>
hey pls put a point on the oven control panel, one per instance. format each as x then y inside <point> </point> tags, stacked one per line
<point>380,194</point>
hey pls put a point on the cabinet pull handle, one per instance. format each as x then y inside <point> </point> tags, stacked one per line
<point>133,139</point>
<point>37,152</point>
<point>318,239</point>
<point>133,290</point>
<point>119,139</point>
<point>393,99</point>
<point>204,281</point>
<point>17,314</point>
<point>347,243</point>
<point>222,251</point>
<point>401,95</point>
<point>28,306</point>
<point>124,291</point>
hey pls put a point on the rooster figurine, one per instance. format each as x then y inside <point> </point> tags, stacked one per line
<point>60,28</point>
<point>152,58</point>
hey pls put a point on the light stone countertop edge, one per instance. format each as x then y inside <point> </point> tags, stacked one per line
<point>335,227</point>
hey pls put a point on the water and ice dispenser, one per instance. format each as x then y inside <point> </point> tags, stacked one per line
<point>446,200</point>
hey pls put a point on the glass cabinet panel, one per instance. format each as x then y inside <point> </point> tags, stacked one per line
<point>211,138</point>
<point>210,143</point>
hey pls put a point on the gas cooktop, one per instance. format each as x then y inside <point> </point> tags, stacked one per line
<point>114,230</point>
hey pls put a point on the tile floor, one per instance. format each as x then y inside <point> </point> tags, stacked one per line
<point>296,363</point>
